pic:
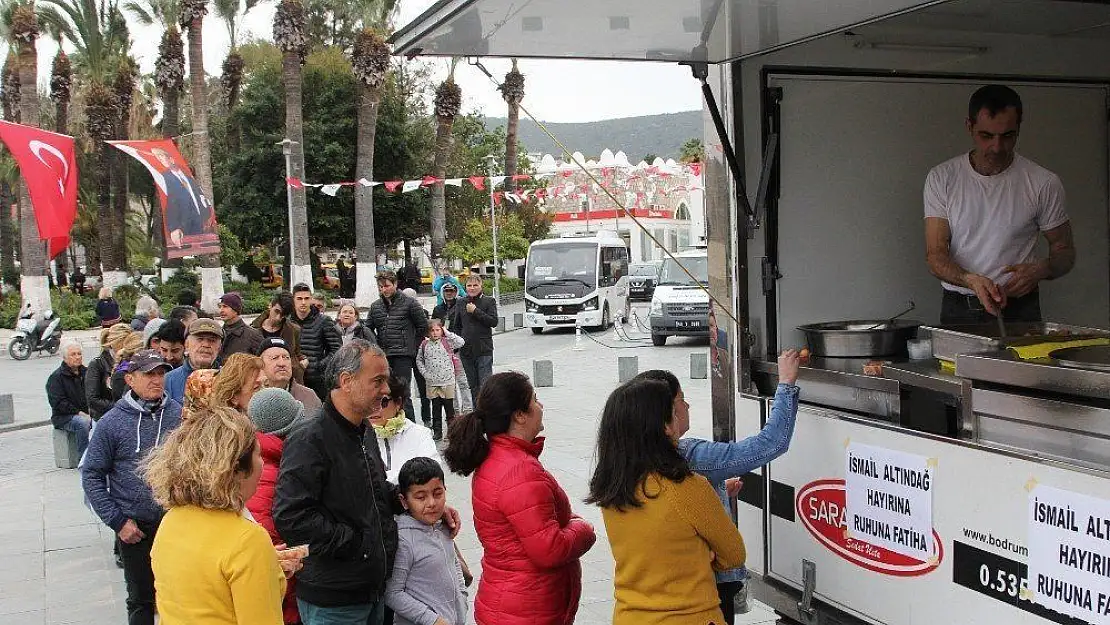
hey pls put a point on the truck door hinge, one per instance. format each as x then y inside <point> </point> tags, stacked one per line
<point>770,274</point>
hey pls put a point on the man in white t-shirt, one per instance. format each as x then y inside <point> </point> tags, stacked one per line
<point>984,211</point>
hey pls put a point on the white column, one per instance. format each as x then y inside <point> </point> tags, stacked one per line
<point>211,288</point>
<point>35,290</point>
<point>366,286</point>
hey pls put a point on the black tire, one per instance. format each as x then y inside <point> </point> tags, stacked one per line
<point>658,340</point>
<point>19,348</point>
<point>52,347</point>
<point>537,330</point>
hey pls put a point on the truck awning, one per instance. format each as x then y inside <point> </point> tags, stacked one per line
<point>711,31</point>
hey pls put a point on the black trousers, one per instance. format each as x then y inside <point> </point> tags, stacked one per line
<point>439,406</point>
<point>422,391</point>
<point>402,368</point>
<point>727,592</point>
<point>139,576</point>
<point>959,309</point>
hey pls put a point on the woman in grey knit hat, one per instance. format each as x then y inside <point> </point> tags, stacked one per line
<point>275,414</point>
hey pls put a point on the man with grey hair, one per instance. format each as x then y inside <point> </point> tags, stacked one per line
<point>65,391</point>
<point>332,495</point>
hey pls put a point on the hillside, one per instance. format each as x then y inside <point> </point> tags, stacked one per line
<point>662,135</point>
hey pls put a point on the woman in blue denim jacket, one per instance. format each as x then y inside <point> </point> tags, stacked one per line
<point>724,463</point>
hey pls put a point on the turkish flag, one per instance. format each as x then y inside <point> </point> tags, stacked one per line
<point>49,169</point>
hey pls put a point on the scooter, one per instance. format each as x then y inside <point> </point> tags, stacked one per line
<point>33,335</point>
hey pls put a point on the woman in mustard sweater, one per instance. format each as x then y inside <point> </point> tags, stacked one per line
<point>666,527</point>
<point>212,564</point>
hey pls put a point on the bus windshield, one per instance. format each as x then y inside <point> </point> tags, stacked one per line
<point>563,263</point>
<point>672,273</point>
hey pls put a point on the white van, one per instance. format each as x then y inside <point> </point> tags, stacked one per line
<point>576,280</point>
<point>679,306</point>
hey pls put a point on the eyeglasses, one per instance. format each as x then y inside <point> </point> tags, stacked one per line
<point>386,401</point>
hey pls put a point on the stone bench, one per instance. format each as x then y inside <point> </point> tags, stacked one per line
<point>65,449</point>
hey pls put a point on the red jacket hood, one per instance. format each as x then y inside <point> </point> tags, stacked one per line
<point>271,446</point>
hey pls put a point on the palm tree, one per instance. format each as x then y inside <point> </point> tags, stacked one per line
<point>99,34</point>
<point>289,35</point>
<point>448,101</point>
<point>232,78</point>
<point>512,90</point>
<point>61,83</point>
<point>192,18</point>
<point>123,87</point>
<point>169,80</point>
<point>9,178</point>
<point>370,58</point>
<point>24,31</point>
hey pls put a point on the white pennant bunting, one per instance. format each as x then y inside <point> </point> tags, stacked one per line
<point>497,180</point>
<point>454,182</point>
<point>330,189</point>
<point>367,183</point>
<point>410,185</point>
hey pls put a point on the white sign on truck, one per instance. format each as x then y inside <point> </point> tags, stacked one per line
<point>1069,553</point>
<point>889,496</point>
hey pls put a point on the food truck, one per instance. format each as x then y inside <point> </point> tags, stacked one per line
<point>968,486</point>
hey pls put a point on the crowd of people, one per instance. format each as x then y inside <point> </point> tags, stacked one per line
<point>286,479</point>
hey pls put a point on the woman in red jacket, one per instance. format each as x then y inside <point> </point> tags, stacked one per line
<point>530,537</point>
<point>274,413</point>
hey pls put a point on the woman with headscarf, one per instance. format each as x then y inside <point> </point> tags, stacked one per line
<point>211,563</point>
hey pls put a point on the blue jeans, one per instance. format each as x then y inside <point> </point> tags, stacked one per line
<point>478,369</point>
<point>80,425</point>
<point>360,614</point>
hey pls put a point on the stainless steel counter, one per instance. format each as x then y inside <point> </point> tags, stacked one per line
<point>1004,368</point>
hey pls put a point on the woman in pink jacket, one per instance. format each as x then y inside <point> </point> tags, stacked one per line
<point>531,539</point>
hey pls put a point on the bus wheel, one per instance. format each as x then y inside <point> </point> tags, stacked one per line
<point>537,330</point>
<point>658,340</point>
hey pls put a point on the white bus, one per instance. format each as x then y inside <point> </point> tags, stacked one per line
<point>576,280</point>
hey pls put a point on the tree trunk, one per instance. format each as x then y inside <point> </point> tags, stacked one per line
<point>105,220</point>
<point>212,286</point>
<point>366,267</point>
<point>510,147</point>
<point>294,131</point>
<point>171,127</point>
<point>120,193</point>
<point>33,284</point>
<point>61,126</point>
<point>439,200</point>
<point>8,202</point>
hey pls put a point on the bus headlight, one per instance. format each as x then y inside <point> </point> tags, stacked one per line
<point>591,304</point>
<point>531,306</point>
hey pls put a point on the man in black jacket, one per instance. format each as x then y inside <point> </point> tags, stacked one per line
<point>400,323</point>
<point>332,495</point>
<point>474,319</point>
<point>65,390</point>
<point>320,338</point>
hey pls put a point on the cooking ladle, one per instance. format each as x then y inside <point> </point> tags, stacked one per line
<point>891,320</point>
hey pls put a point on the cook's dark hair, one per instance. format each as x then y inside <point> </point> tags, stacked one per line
<point>501,396</point>
<point>418,472</point>
<point>994,98</point>
<point>301,287</point>
<point>632,443</point>
<point>662,375</point>
<point>284,300</point>
<point>172,331</point>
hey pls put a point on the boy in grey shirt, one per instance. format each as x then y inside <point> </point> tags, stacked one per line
<point>427,586</point>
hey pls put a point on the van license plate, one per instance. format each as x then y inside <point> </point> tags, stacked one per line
<point>560,317</point>
<point>688,324</point>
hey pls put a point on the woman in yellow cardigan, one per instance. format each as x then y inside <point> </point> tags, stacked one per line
<point>212,564</point>
<point>666,526</point>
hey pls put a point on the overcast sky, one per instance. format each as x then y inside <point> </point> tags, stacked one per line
<point>555,91</point>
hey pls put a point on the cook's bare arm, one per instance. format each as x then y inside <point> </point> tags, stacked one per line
<point>938,237</point>
<point>1061,251</point>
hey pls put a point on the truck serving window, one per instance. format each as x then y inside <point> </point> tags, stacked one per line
<point>672,273</point>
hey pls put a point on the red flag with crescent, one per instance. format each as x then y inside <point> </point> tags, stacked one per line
<point>49,169</point>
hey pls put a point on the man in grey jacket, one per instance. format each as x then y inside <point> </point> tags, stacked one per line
<point>110,474</point>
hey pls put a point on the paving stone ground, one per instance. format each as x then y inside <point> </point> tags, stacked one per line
<point>56,562</point>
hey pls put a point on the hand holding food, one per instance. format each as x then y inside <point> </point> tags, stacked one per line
<point>733,486</point>
<point>789,362</point>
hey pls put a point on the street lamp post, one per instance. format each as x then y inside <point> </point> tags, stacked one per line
<point>287,150</point>
<point>491,162</point>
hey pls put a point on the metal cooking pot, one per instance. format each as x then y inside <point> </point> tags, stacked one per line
<point>864,338</point>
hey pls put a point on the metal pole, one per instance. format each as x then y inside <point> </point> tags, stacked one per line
<point>287,150</point>
<point>492,160</point>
